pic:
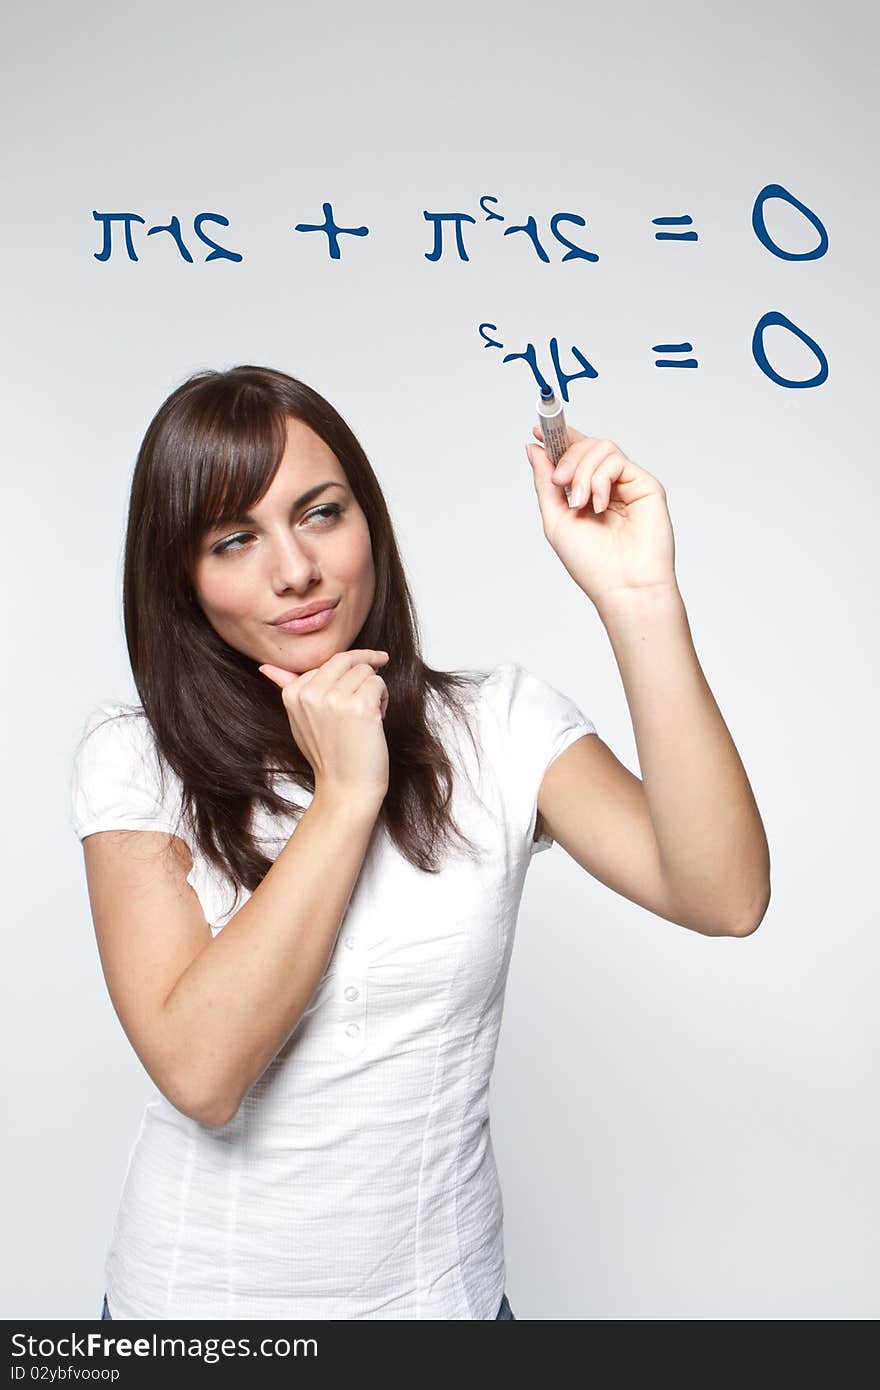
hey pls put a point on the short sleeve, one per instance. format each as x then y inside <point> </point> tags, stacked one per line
<point>538,723</point>
<point>115,782</point>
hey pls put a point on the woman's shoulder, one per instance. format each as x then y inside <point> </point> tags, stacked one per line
<point>117,781</point>
<point>507,682</point>
<point>495,691</point>
<point>113,723</point>
<point>117,745</point>
<point>499,701</point>
<point>478,682</point>
<point>526,706</point>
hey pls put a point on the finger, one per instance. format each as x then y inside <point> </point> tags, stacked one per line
<point>593,456</point>
<point>568,464</point>
<point>597,488</point>
<point>281,677</point>
<point>359,677</point>
<point>577,496</point>
<point>358,663</point>
<point>353,656</point>
<point>585,451</point>
<point>592,492</point>
<point>278,675</point>
<point>329,672</point>
<point>601,484</point>
<point>550,497</point>
<point>354,678</point>
<point>377,682</point>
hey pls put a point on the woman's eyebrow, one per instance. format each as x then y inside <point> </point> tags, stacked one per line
<point>248,520</point>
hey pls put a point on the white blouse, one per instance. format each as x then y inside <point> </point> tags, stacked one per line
<point>357,1179</point>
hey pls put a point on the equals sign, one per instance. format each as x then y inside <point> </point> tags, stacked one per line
<point>675,347</point>
<point>673,222</point>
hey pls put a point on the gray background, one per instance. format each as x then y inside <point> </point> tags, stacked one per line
<point>685,1127</point>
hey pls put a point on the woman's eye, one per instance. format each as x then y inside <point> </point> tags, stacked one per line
<point>230,544</point>
<point>328,512</point>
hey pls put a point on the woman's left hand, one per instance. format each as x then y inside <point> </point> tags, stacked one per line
<point>619,539</point>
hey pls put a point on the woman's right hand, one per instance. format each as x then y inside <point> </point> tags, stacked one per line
<point>335,713</point>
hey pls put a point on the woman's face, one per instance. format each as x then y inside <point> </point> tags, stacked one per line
<point>290,553</point>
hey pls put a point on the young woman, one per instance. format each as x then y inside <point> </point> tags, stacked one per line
<point>305,852</point>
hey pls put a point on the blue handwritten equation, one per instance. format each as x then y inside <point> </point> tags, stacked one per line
<point>448,232</point>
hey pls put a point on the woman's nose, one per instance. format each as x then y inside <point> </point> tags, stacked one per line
<point>293,566</point>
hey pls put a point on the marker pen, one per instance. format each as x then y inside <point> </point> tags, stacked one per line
<point>551,418</point>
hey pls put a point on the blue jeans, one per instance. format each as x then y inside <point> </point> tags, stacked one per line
<point>505,1311</point>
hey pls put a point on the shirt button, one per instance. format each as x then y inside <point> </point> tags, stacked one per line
<point>349,942</point>
<point>352,1030</point>
<point>351,992</point>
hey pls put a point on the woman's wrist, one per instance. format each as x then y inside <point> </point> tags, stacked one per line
<point>355,803</point>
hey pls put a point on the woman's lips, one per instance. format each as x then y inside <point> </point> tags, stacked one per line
<point>313,623</point>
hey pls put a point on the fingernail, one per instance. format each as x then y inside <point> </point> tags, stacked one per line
<point>576,496</point>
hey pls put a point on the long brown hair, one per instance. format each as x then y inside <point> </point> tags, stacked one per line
<point>210,452</point>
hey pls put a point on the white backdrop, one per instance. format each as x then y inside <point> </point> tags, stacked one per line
<point>684,1127</point>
